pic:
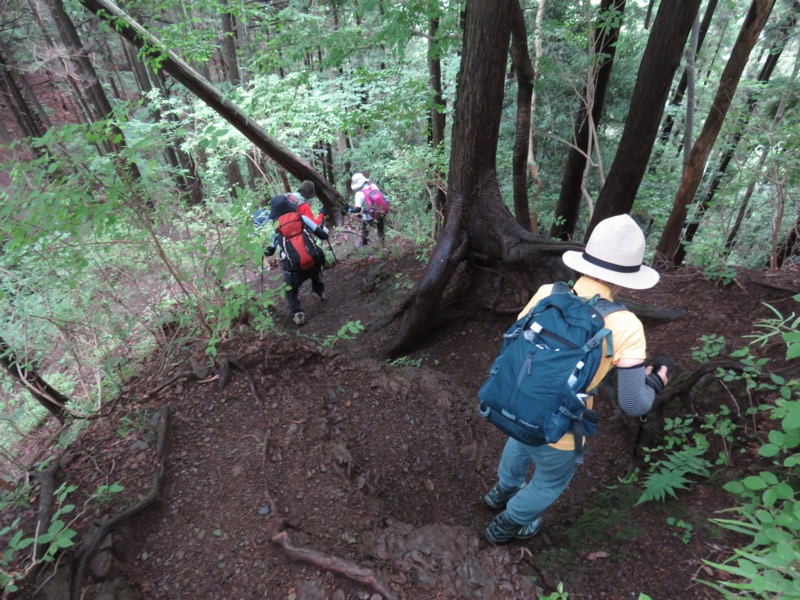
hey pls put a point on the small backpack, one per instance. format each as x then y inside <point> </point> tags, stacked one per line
<point>298,248</point>
<point>536,390</point>
<point>376,201</point>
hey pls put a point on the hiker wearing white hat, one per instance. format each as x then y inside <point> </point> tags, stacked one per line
<point>611,260</point>
<point>373,206</point>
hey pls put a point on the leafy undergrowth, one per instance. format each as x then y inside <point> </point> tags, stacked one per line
<point>384,465</point>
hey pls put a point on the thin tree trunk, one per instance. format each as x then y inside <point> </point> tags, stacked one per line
<point>98,101</point>
<point>602,61</point>
<point>521,61</point>
<point>691,78</point>
<point>437,117</point>
<point>770,62</point>
<point>229,45</point>
<point>677,97</point>
<point>779,114</point>
<point>751,28</point>
<point>661,58</point>
<point>200,86</point>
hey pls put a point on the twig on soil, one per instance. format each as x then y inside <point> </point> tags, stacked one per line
<point>334,564</point>
<point>100,530</point>
<point>193,374</point>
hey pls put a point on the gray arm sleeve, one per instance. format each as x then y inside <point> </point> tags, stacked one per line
<point>634,396</point>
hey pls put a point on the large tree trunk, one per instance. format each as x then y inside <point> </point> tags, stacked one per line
<point>770,62</point>
<point>574,181</point>
<point>477,221</point>
<point>661,58</point>
<point>521,61</point>
<point>28,119</point>
<point>48,397</point>
<point>751,28</point>
<point>201,87</point>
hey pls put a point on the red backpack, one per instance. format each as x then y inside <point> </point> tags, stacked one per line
<point>376,201</point>
<point>299,249</point>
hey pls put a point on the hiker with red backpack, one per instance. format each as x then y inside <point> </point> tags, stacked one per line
<point>301,258</point>
<point>371,204</point>
<point>610,262</point>
<point>304,193</point>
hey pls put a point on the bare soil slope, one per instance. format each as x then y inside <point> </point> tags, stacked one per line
<point>348,477</point>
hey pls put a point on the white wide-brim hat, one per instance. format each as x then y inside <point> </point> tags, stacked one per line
<point>614,254</point>
<point>357,181</point>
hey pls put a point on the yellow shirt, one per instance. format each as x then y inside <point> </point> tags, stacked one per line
<point>627,336</point>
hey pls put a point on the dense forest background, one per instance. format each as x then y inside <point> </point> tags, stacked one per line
<point>138,139</point>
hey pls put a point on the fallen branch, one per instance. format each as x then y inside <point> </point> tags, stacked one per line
<point>334,564</point>
<point>192,374</point>
<point>100,530</point>
<point>47,483</point>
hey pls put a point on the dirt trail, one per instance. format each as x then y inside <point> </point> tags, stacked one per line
<point>383,467</point>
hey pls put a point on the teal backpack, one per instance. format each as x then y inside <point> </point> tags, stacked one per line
<point>536,390</point>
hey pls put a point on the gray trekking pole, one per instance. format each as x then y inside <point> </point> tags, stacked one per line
<point>335,260</point>
<point>262,272</point>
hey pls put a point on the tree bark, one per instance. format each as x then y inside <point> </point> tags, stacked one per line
<point>661,58</point>
<point>677,97</point>
<point>573,183</point>
<point>751,28</point>
<point>437,124</point>
<point>198,85</point>
<point>48,397</point>
<point>477,220</point>
<point>98,101</point>
<point>521,61</point>
<point>770,62</point>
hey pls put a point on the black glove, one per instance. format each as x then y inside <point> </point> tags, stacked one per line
<point>353,209</point>
<point>270,250</point>
<point>323,212</point>
<point>654,381</point>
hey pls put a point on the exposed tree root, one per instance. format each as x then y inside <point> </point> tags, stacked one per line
<point>196,373</point>
<point>227,365</point>
<point>334,564</point>
<point>684,382</point>
<point>100,530</point>
<point>46,502</point>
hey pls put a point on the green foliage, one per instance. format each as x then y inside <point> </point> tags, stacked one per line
<point>106,493</point>
<point>684,529</point>
<point>348,331</point>
<point>57,537</point>
<point>712,345</point>
<point>767,567</point>
<point>407,361</point>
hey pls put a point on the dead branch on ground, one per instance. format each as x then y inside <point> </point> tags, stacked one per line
<point>334,564</point>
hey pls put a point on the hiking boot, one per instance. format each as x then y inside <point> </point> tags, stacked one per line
<point>502,530</point>
<point>498,497</point>
<point>299,318</point>
<point>320,295</point>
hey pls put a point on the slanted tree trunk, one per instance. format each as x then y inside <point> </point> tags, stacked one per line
<point>661,58</point>
<point>751,28</point>
<point>770,62</point>
<point>98,101</point>
<point>790,245</point>
<point>478,224</point>
<point>521,61</point>
<point>602,61</point>
<point>31,123</point>
<point>198,85</point>
<point>33,383</point>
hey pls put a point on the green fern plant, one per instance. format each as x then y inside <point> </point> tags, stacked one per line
<point>671,473</point>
